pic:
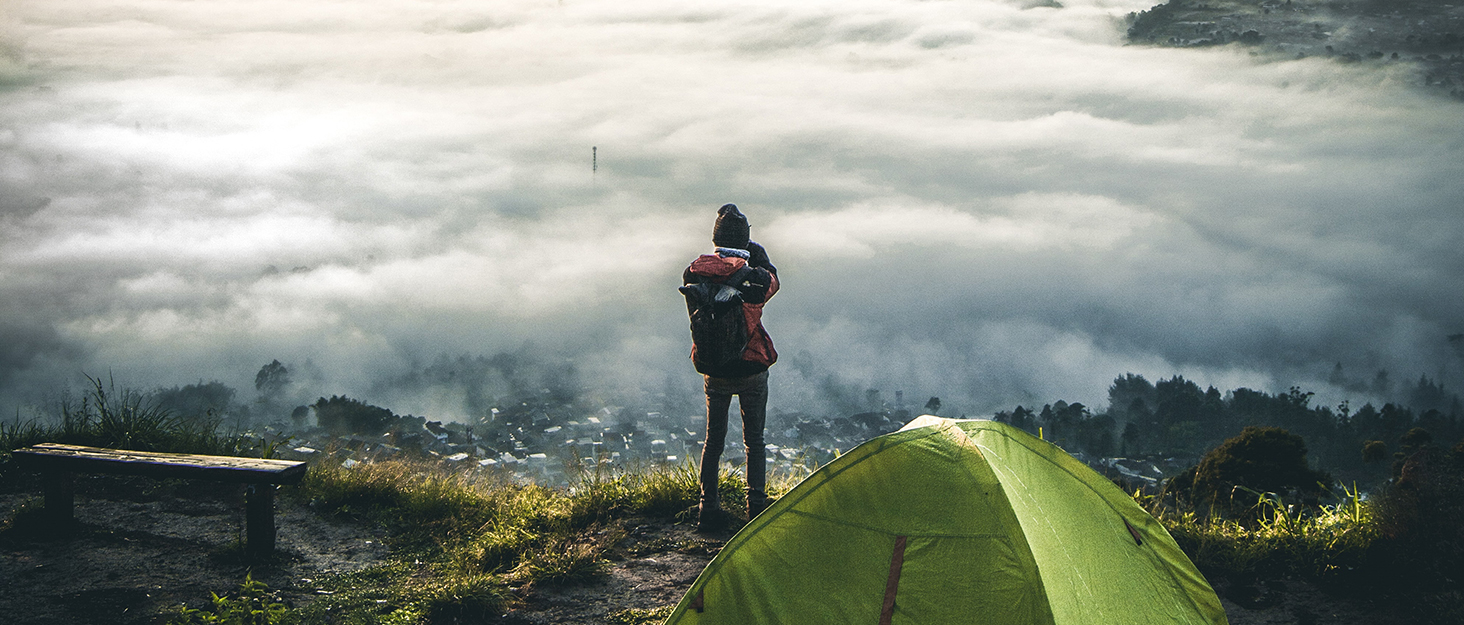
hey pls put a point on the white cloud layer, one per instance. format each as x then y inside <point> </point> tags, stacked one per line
<point>994,202</point>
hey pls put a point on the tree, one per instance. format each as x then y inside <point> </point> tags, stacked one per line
<point>299,414</point>
<point>1381,385</point>
<point>1179,405</point>
<point>196,400</point>
<point>1374,451</point>
<point>1020,417</point>
<point>1264,459</point>
<point>1095,435</point>
<point>343,415</point>
<point>1124,390</point>
<point>271,379</point>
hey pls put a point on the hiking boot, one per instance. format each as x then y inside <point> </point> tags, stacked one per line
<point>757,501</point>
<point>711,518</point>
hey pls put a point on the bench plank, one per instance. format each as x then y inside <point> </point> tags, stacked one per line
<point>79,459</point>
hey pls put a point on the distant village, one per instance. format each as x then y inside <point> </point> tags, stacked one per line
<point>548,443</point>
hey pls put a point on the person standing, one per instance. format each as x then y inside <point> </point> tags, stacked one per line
<point>737,269</point>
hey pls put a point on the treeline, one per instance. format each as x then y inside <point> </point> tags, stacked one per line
<point>1176,418</point>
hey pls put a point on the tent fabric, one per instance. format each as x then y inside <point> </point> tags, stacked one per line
<point>960,521</point>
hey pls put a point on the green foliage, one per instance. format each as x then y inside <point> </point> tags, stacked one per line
<point>1405,543</point>
<point>21,434</point>
<point>461,541</point>
<point>252,604</point>
<point>636,616</point>
<point>422,503</point>
<point>1421,518</point>
<point>388,593</point>
<point>343,415</point>
<point>471,597</point>
<point>666,492</point>
<point>271,379</point>
<point>1320,543</point>
<point>1374,451</point>
<point>1177,418</point>
<point>1259,460</point>
<point>565,561</point>
<point>202,400</point>
<point>107,418</point>
<point>126,419</point>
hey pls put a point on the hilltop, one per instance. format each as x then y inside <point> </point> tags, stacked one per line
<point>146,547</point>
<point>1423,37</point>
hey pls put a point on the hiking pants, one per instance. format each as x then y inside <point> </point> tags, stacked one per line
<point>752,398</point>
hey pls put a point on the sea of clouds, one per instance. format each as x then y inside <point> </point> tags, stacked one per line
<point>989,201</point>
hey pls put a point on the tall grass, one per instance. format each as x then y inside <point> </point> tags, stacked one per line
<point>107,417</point>
<point>1321,543</point>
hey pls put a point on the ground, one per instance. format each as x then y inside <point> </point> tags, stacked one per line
<point>146,546</point>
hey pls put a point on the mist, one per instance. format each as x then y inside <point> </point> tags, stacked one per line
<point>991,202</point>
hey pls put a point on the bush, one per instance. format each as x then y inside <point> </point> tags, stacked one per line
<point>1261,460</point>
<point>343,415</point>
<point>1421,519</point>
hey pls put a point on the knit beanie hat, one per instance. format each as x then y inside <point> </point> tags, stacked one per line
<point>731,229</point>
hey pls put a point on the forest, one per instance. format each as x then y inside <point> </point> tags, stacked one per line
<point>1175,418</point>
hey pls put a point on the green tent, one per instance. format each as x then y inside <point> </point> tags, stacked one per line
<point>952,521</point>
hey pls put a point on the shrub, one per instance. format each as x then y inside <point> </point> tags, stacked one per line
<point>1261,459</point>
<point>253,605</point>
<point>1421,517</point>
<point>343,415</point>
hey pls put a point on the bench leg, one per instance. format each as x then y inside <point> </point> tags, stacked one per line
<point>259,526</point>
<point>60,489</point>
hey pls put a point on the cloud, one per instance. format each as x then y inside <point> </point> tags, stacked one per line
<point>991,202</point>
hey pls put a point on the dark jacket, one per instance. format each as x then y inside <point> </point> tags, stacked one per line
<point>762,284</point>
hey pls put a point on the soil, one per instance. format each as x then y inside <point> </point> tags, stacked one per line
<point>652,567</point>
<point>143,547</point>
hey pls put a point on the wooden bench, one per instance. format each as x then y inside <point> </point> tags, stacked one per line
<point>58,463</point>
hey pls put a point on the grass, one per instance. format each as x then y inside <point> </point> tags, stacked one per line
<point>1352,547</point>
<point>471,541</point>
<point>463,542</point>
<point>635,616</point>
<point>1325,543</point>
<point>107,417</point>
<point>251,604</point>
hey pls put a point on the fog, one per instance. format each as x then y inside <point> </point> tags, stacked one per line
<point>991,202</point>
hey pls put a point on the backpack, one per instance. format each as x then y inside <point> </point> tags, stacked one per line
<point>718,329</point>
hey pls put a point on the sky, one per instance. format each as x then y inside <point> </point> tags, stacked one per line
<point>993,202</point>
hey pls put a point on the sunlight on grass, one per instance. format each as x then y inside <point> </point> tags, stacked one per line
<point>635,616</point>
<point>1317,543</point>
<point>461,540</point>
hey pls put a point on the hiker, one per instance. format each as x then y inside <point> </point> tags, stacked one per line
<point>732,357</point>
